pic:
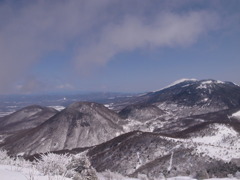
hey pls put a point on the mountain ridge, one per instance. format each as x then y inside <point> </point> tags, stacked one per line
<point>25,118</point>
<point>79,125</point>
<point>190,128</point>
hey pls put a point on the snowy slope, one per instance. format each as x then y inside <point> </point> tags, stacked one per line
<point>236,115</point>
<point>26,118</point>
<point>213,147</point>
<point>183,80</point>
<point>82,124</point>
<point>15,173</point>
<point>8,172</point>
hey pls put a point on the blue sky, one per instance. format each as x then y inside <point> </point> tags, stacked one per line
<point>116,45</point>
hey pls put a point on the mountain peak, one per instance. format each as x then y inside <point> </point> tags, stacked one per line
<point>199,96</point>
<point>82,124</point>
<point>182,80</point>
<point>80,104</point>
<point>211,81</point>
<point>202,84</point>
<point>177,82</point>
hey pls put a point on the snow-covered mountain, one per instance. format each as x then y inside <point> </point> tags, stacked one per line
<point>26,118</point>
<point>189,128</point>
<point>141,112</point>
<point>213,151</point>
<point>203,96</point>
<point>181,126</point>
<point>181,99</point>
<point>195,97</point>
<point>197,133</point>
<point>81,124</point>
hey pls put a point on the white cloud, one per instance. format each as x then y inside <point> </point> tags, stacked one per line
<point>31,85</point>
<point>33,29</point>
<point>66,86</point>
<point>166,30</point>
<point>97,30</point>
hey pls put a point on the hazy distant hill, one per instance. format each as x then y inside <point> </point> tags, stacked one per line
<point>26,118</point>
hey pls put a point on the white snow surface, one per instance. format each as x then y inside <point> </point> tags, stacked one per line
<point>220,82</point>
<point>236,115</point>
<point>207,82</point>
<point>223,179</point>
<point>11,175</point>
<point>109,106</point>
<point>176,82</point>
<point>190,178</point>
<point>222,132</point>
<point>8,172</point>
<point>236,84</point>
<point>205,99</point>
<point>58,108</point>
<point>181,178</point>
<point>2,114</point>
<point>204,84</point>
<point>211,81</point>
<point>223,144</point>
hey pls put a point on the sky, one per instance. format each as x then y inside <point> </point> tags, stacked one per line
<point>116,45</point>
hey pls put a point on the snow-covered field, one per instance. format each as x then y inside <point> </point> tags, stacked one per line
<point>8,172</point>
<point>223,144</point>
<point>57,167</point>
<point>58,108</point>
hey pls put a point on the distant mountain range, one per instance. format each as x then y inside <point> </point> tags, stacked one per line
<point>188,128</point>
<point>26,118</point>
<point>13,103</point>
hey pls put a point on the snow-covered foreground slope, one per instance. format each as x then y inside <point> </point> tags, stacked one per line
<point>63,167</point>
<point>8,172</point>
<point>218,141</point>
<point>224,143</point>
<point>202,151</point>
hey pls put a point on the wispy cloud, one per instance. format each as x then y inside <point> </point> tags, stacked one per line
<point>29,30</point>
<point>95,30</point>
<point>166,30</point>
<point>66,86</point>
